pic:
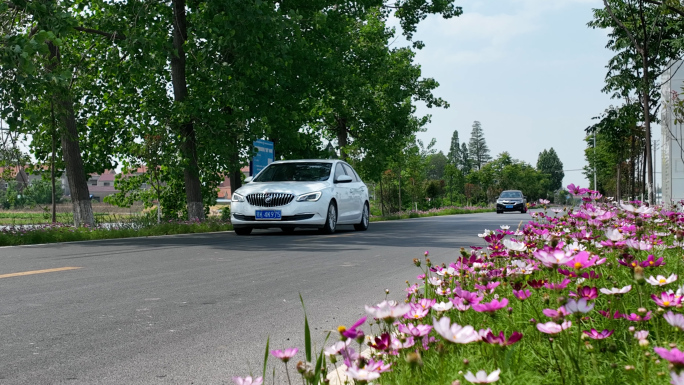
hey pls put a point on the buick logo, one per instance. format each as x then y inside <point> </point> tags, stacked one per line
<point>268,198</point>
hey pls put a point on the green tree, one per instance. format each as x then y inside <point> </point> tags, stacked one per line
<point>479,151</point>
<point>453,156</point>
<point>548,163</point>
<point>436,164</point>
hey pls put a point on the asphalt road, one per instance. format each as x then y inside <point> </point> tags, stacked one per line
<point>197,309</point>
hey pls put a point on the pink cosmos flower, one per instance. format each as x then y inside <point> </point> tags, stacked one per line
<point>641,334</point>
<point>676,378</point>
<point>399,344</point>
<point>557,286</point>
<point>489,287</point>
<point>481,377</point>
<point>675,356</point>
<point>593,333</point>
<point>555,314</point>
<point>522,294</point>
<point>443,290</point>
<point>416,312</point>
<point>576,190</point>
<point>414,330</point>
<point>337,348</point>
<point>490,307</point>
<point>609,314</point>
<point>584,259</point>
<point>460,304</point>
<point>455,333</point>
<point>676,320</point>
<point>469,297</point>
<point>553,328</point>
<point>638,245</point>
<point>637,317</point>
<point>284,355</point>
<point>248,380</point>
<point>501,339</point>
<point>426,303</point>
<point>551,258</point>
<point>377,366</point>
<point>667,299</point>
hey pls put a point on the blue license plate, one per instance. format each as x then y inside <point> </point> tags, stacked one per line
<point>267,215</point>
<point>509,206</point>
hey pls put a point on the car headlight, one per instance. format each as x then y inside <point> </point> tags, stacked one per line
<point>238,198</point>
<point>309,197</point>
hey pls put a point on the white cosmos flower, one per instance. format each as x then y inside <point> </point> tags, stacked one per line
<point>435,281</point>
<point>486,232</point>
<point>481,377</point>
<point>575,247</point>
<point>614,235</point>
<point>505,227</point>
<point>661,280</point>
<point>443,306</point>
<point>455,333</point>
<point>615,290</point>
<point>512,244</point>
<point>388,309</point>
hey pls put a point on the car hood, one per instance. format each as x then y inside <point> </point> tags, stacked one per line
<point>512,200</point>
<point>281,187</point>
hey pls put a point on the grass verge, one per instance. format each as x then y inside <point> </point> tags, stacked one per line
<point>452,210</point>
<point>28,235</point>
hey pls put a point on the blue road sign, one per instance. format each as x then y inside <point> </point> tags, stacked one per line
<point>263,157</point>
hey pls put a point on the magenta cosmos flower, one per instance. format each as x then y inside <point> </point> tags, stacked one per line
<point>637,317</point>
<point>593,333</point>
<point>248,380</point>
<point>353,332</point>
<point>501,339</point>
<point>584,259</point>
<point>553,328</point>
<point>666,299</point>
<point>652,262</point>
<point>490,307</point>
<point>557,286</point>
<point>675,356</point>
<point>585,292</point>
<point>284,355</point>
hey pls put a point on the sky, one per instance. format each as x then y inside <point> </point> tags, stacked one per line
<point>530,71</point>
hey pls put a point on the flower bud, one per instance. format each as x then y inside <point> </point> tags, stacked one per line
<point>643,343</point>
<point>416,262</point>
<point>631,329</point>
<point>456,382</point>
<point>428,263</point>
<point>386,291</point>
<point>465,361</point>
<point>642,310</point>
<point>639,275</point>
<point>414,359</point>
<point>629,367</point>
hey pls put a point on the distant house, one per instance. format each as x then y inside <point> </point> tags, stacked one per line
<point>101,185</point>
<point>24,178</point>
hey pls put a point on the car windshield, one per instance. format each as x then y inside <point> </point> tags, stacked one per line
<point>511,194</point>
<point>295,172</point>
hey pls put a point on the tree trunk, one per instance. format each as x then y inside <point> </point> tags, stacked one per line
<point>647,124</point>
<point>71,151</point>
<point>382,199</point>
<point>617,183</point>
<point>52,164</point>
<point>78,184</point>
<point>193,191</point>
<point>342,138</point>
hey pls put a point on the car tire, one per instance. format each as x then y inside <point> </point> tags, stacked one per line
<point>365,219</point>
<point>288,230</point>
<point>499,212</point>
<point>330,220</point>
<point>243,230</point>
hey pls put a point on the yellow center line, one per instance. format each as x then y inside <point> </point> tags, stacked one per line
<point>37,272</point>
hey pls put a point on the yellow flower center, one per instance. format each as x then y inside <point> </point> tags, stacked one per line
<point>666,303</point>
<point>416,316</point>
<point>341,329</point>
<point>662,280</point>
<point>650,262</point>
<point>578,265</point>
<point>633,264</point>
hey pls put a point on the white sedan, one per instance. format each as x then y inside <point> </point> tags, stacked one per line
<point>301,193</point>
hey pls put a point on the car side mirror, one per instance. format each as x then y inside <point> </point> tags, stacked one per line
<point>248,179</point>
<point>343,179</point>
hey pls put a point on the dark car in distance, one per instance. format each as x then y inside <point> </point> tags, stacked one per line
<point>511,200</point>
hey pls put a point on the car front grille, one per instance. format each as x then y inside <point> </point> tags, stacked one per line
<point>269,199</point>
<point>298,217</point>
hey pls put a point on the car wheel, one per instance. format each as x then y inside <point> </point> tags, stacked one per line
<point>330,220</point>
<point>499,212</point>
<point>288,230</point>
<point>365,219</point>
<point>243,230</point>
<point>523,211</point>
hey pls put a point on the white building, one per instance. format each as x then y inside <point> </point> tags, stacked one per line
<point>672,122</point>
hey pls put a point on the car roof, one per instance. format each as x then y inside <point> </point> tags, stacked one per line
<point>511,191</point>
<point>307,160</point>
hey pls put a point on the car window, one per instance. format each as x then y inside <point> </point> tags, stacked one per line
<point>295,172</point>
<point>511,194</point>
<point>350,172</point>
<point>339,171</point>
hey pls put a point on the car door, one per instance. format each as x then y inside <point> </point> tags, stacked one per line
<point>356,193</point>
<point>342,195</point>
